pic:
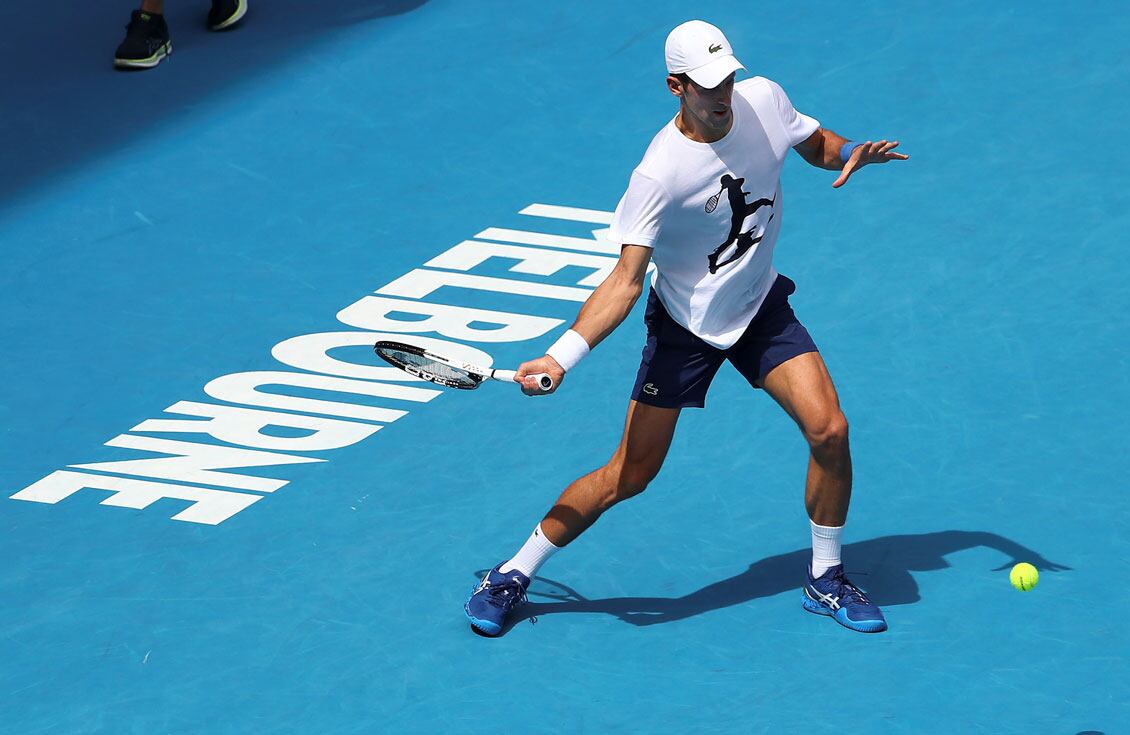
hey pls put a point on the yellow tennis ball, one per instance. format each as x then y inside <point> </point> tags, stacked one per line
<point>1024,576</point>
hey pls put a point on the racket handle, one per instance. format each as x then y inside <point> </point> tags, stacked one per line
<point>544,381</point>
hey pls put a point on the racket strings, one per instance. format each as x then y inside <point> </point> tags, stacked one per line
<point>428,369</point>
<point>712,202</point>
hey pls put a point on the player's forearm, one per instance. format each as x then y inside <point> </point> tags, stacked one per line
<point>828,156</point>
<point>607,307</point>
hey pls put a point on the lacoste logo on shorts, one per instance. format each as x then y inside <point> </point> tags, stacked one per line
<point>716,48</point>
<point>650,389</point>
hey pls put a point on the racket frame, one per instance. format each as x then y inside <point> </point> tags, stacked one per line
<point>477,373</point>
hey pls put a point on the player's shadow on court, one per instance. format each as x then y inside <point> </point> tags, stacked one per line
<point>882,566</point>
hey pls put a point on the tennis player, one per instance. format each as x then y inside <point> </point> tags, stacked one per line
<point>704,205</point>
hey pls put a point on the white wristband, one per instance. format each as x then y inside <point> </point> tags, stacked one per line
<point>569,350</point>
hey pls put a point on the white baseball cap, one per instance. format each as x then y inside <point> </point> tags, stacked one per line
<point>700,51</point>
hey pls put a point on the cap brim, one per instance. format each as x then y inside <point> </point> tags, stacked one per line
<point>712,74</point>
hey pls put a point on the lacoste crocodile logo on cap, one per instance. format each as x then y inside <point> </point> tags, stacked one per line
<point>716,48</point>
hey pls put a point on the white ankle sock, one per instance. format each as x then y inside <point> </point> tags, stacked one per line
<point>532,554</point>
<point>825,547</point>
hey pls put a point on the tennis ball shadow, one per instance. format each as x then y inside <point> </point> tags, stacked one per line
<point>882,566</point>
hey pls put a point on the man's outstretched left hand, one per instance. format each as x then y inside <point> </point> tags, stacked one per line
<point>879,151</point>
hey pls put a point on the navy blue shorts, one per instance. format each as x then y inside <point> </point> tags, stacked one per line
<point>677,367</point>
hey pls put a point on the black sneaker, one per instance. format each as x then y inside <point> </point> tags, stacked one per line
<point>225,13</point>
<point>147,42</point>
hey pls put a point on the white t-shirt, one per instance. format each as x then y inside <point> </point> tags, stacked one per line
<point>712,211</point>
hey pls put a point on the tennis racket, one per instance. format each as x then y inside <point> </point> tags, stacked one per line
<point>712,202</point>
<point>442,371</point>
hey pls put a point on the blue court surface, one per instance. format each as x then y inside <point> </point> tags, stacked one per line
<point>212,246</point>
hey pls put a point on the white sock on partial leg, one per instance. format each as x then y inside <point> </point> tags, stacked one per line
<point>825,547</point>
<point>532,555</point>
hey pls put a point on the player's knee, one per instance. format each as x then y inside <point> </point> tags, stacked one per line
<point>628,479</point>
<point>634,478</point>
<point>829,433</point>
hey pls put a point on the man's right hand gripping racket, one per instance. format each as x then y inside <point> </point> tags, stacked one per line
<point>442,371</point>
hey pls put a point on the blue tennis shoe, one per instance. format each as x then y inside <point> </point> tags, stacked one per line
<point>493,600</point>
<point>834,595</point>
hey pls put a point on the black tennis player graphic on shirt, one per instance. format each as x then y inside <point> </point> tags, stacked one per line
<point>739,210</point>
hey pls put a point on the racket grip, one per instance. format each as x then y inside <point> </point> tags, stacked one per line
<point>544,381</point>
